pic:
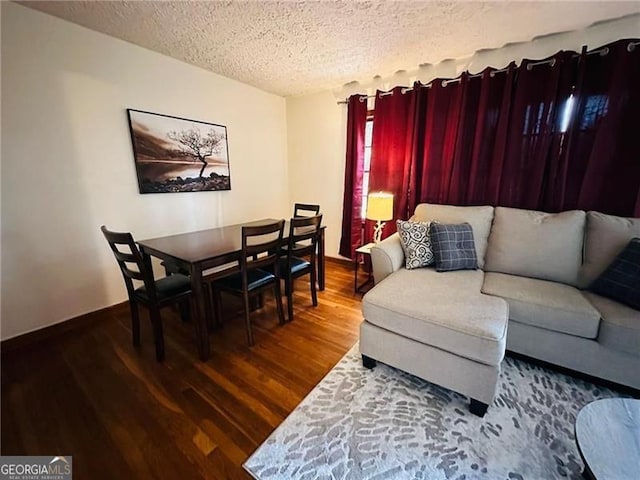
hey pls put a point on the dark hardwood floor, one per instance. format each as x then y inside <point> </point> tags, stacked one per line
<point>89,393</point>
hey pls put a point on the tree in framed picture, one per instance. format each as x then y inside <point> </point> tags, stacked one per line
<point>175,154</point>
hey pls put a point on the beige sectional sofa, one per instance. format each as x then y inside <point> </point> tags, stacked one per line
<point>529,296</point>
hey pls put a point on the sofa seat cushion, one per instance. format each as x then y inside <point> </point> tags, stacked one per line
<point>167,287</point>
<point>550,305</point>
<point>620,325</point>
<point>443,310</point>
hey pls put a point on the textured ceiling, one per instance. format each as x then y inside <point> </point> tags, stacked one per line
<point>297,47</point>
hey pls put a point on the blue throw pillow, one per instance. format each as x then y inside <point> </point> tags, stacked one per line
<point>621,280</point>
<point>453,247</point>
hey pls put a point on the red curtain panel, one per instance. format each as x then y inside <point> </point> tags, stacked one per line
<point>354,168</point>
<point>603,152</point>
<point>438,138</point>
<point>554,134</point>
<point>458,159</point>
<point>392,150</point>
<point>489,140</point>
<point>540,91</point>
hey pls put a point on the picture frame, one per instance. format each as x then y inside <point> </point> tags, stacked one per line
<point>174,154</point>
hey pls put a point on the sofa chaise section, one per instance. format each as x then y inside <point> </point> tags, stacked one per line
<point>438,326</point>
<point>460,319</point>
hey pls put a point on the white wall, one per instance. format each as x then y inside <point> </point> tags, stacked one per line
<point>316,125</point>
<point>67,164</point>
<point>316,132</point>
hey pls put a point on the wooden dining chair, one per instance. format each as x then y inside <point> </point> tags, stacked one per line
<point>300,258</point>
<point>305,210</point>
<point>259,271</point>
<point>302,210</point>
<point>153,294</point>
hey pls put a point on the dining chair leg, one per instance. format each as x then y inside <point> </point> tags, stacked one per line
<point>217,306</point>
<point>279,307</point>
<point>247,319</point>
<point>135,323</point>
<point>314,294</point>
<point>289,294</point>
<point>185,311</point>
<point>158,336</point>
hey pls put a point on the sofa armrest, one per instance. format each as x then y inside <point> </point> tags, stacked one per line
<point>386,257</point>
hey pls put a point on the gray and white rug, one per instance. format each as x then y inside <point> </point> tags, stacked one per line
<point>387,424</point>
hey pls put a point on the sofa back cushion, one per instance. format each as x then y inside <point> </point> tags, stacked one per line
<point>537,244</point>
<point>479,218</point>
<point>606,237</point>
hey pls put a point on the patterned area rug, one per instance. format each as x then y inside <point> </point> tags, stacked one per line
<point>387,424</point>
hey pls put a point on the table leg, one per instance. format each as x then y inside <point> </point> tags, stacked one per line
<point>356,267</point>
<point>321,260</point>
<point>199,317</point>
<point>367,267</point>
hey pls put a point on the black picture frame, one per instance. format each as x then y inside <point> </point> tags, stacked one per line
<point>175,154</point>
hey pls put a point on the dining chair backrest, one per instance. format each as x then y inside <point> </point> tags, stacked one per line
<point>260,246</point>
<point>301,209</point>
<point>303,236</point>
<point>129,260</point>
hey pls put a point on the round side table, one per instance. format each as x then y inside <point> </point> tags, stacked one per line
<point>608,437</point>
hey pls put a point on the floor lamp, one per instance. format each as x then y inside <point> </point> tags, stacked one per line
<point>380,209</point>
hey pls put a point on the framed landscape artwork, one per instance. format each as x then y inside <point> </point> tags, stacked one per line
<point>175,154</point>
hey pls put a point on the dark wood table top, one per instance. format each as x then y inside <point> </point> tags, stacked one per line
<point>202,245</point>
<point>193,247</point>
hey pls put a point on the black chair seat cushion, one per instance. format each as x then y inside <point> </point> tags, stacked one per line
<point>168,287</point>
<point>297,265</point>
<point>256,278</point>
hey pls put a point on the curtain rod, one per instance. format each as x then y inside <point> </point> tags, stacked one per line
<point>602,51</point>
<point>426,85</point>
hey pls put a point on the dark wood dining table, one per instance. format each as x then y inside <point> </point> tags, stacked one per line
<point>202,250</point>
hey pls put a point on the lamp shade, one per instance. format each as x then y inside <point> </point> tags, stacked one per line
<point>380,206</point>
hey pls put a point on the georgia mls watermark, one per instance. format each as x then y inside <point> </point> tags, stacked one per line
<point>35,468</point>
